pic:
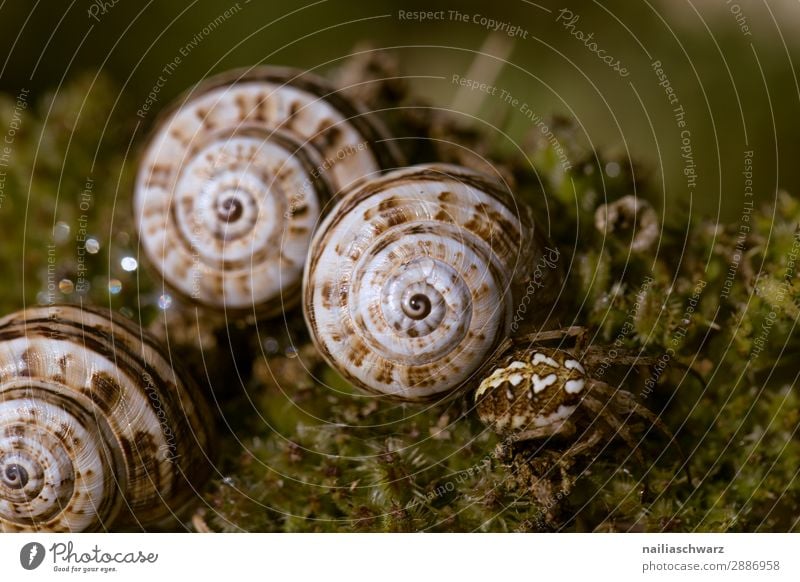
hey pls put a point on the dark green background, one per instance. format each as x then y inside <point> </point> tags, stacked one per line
<point>729,84</point>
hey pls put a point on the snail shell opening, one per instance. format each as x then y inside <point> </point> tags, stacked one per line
<point>235,177</point>
<point>411,279</point>
<point>96,428</point>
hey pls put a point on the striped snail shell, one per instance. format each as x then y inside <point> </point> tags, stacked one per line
<point>96,428</point>
<point>413,278</point>
<point>234,179</point>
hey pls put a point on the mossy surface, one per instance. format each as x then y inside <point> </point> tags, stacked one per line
<point>301,451</point>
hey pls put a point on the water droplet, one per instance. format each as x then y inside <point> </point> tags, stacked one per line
<point>129,264</point>
<point>114,286</point>
<point>685,321</point>
<point>61,232</point>
<point>612,169</point>
<point>66,286</point>
<point>291,352</point>
<point>165,301</point>
<point>92,246</point>
<point>229,481</point>
<point>270,346</point>
<point>127,312</point>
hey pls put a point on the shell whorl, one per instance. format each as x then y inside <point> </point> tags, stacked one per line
<point>96,428</point>
<point>411,279</point>
<point>235,177</point>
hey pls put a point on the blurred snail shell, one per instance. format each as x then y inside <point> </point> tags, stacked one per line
<point>413,278</point>
<point>530,389</point>
<point>631,219</point>
<point>96,428</point>
<point>235,176</point>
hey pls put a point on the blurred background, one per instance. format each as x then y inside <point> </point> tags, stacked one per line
<point>731,64</point>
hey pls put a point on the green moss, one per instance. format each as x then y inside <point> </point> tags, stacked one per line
<point>302,451</point>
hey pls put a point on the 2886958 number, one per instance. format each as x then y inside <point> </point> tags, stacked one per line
<point>750,565</point>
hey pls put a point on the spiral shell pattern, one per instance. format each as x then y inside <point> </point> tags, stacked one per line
<point>411,279</point>
<point>96,428</point>
<point>235,177</point>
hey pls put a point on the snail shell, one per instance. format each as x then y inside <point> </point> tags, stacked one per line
<point>413,279</point>
<point>529,389</point>
<point>629,216</point>
<point>234,179</point>
<point>96,428</point>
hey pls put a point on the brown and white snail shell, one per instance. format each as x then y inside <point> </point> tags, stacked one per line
<point>235,177</point>
<point>97,430</point>
<point>413,279</point>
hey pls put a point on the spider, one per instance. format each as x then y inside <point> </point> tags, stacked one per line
<point>535,392</point>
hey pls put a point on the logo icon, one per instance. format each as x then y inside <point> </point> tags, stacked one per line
<point>31,555</point>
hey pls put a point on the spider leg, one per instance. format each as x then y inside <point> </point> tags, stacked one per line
<point>584,445</point>
<point>599,407</point>
<point>626,403</point>
<point>550,335</point>
<point>594,355</point>
<point>565,429</point>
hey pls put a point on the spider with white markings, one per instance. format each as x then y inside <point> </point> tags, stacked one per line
<point>535,392</point>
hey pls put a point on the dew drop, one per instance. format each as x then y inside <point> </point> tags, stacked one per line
<point>129,264</point>
<point>270,346</point>
<point>66,286</point>
<point>612,169</point>
<point>114,286</point>
<point>165,301</point>
<point>61,232</point>
<point>92,246</point>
